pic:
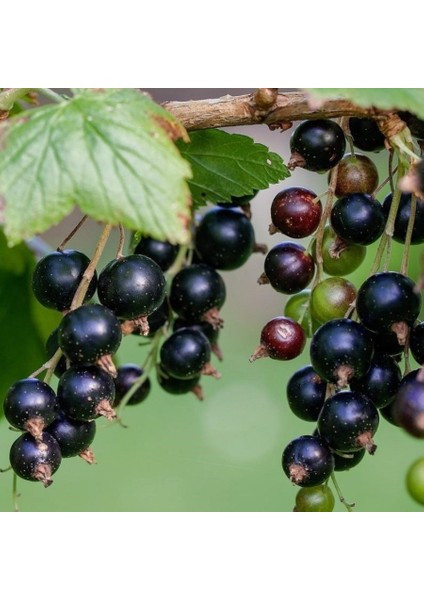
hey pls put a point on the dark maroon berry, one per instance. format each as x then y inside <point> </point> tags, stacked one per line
<point>307,461</point>
<point>163,253</point>
<point>344,462</point>
<point>295,212</point>
<point>358,218</point>
<point>288,268</point>
<point>175,386</point>
<point>88,333</point>
<point>416,342</point>
<point>132,286</point>
<point>388,301</point>
<point>73,437</point>
<point>408,407</point>
<point>356,174</point>
<point>348,422</point>
<point>317,145</point>
<point>402,218</point>
<point>57,276</point>
<point>85,393</point>
<point>306,393</point>
<point>127,376</point>
<point>224,238</point>
<point>35,460</point>
<point>341,349</point>
<point>381,382</point>
<point>197,293</point>
<point>282,338</point>
<point>366,134</point>
<point>186,354</point>
<point>30,405</point>
<point>52,345</point>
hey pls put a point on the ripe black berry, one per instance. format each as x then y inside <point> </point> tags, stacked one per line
<point>57,276</point>
<point>224,238</point>
<point>288,268</point>
<point>348,421</point>
<point>186,354</point>
<point>366,134</point>
<point>204,327</point>
<point>416,342</point>
<point>307,461</point>
<point>175,386</point>
<point>344,462</point>
<point>317,145</point>
<point>381,382</point>
<point>85,393</point>
<point>89,333</point>
<point>306,393</point>
<point>163,253</point>
<point>408,407</point>
<point>281,339</point>
<point>295,212</point>
<point>358,218</point>
<point>402,218</point>
<point>133,286</point>
<point>30,405</point>
<point>35,460</point>
<point>73,437</point>
<point>128,375</point>
<point>357,174</point>
<point>341,349</point>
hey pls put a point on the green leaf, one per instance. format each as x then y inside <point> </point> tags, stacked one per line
<point>228,164</point>
<point>410,99</point>
<point>24,323</point>
<point>108,151</point>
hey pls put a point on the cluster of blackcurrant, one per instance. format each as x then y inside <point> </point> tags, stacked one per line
<point>182,320</point>
<point>358,336</point>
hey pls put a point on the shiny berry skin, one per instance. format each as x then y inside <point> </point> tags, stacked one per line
<point>295,212</point>
<point>30,403</point>
<point>356,175</point>
<point>127,375</point>
<point>307,461</point>
<point>306,393</point>
<point>72,436</point>
<point>57,276</point>
<point>224,238</point>
<point>88,333</point>
<point>203,326</point>
<point>339,257</point>
<point>33,460</point>
<point>85,393</point>
<point>162,252</point>
<point>175,386</point>
<point>132,286</point>
<point>341,349</point>
<point>366,134</point>
<point>348,461</point>
<point>297,308</point>
<point>402,218</point>
<point>387,413</point>
<point>348,421</point>
<point>415,481</point>
<point>387,343</point>
<point>281,339</point>
<point>52,345</point>
<point>387,298</point>
<point>185,353</point>
<point>331,299</point>
<point>317,145</point>
<point>416,342</point>
<point>315,499</point>
<point>289,268</point>
<point>408,407</point>
<point>195,290</point>
<point>358,219</point>
<point>381,382</point>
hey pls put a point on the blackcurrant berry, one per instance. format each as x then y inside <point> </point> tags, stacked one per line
<point>306,393</point>
<point>387,413</point>
<point>344,462</point>
<point>186,354</point>
<point>416,342</point>
<point>358,218</point>
<point>197,293</point>
<point>331,299</point>
<point>315,499</point>
<point>133,286</point>
<point>388,301</point>
<point>356,174</point>
<point>127,376</point>
<point>402,218</point>
<point>381,382</point>
<point>85,393</point>
<point>89,333</point>
<point>348,422</point>
<point>52,345</point>
<point>339,257</point>
<point>35,460</point>
<point>387,343</point>
<point>175,386</point>
<point>366,134</point>
<point>204,327</point>
<point>155,321</point>
<point>281,339</point>
<point>163,253</point>
<point>30,405</point>
<point>295,212</point>
<point>288,268</point>
<point>408,407</point>
<point>57,276</point>
<point>307,461</point>
<point>224,238</point>
<point>73,437</point>
<point>341,349</point>
<point>317,145</point>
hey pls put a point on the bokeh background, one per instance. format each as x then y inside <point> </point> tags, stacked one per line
<point>223,454</point>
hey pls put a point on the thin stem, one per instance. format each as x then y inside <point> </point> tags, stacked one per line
<point>119,252</point>
<point>408,237</point>
<point>388,179</point>
<point>349,507</point>
<point>73,232</point>
<point>179,262</point>
<point>50,95</point>
<point>52,364</point>
<point>15,494</point>
<point>9,468</point>
<point>319,236</point>
<point>391,171</point>
<point>10,96</point>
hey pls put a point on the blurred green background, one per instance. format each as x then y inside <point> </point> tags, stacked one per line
<point>223,454</point>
